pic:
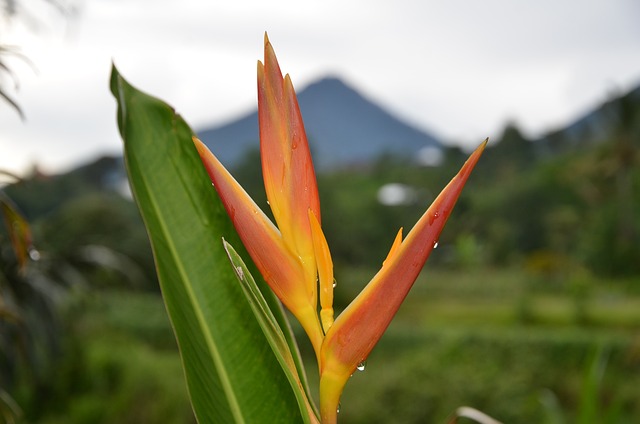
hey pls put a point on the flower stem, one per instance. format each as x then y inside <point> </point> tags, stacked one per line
<point>330,391</point>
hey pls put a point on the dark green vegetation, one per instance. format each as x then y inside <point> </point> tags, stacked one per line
<point>459,340</point>
<point>528,310</point>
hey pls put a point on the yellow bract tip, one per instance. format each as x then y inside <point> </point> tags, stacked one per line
<point>394,247</point>
<point>325,271</point>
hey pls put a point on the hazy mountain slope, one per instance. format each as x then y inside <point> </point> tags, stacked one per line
<point>343,128</point>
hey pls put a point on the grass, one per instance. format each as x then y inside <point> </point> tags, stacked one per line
<point>124,367</point>
<point>128,382</point>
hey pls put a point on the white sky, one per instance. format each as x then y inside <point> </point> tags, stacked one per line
<point>458,68</point>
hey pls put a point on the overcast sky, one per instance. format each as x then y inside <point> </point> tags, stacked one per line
<point>460,68</point>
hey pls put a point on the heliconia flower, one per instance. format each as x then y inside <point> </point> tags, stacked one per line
<point>294,257</point>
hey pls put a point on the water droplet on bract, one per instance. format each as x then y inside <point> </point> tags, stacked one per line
<point>268,203</point>
<point>433,217</point>
<point>338,409</point>
<point>361,366</point>
<point>240,272</point>
<point>435,244</point>
<point>335,283</point>
<point>34,254</point>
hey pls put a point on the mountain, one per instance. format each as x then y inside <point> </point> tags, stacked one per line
<point>596,126</point>
<point>342,125</point>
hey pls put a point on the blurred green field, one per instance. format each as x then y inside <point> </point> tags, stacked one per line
<point>516,347</point>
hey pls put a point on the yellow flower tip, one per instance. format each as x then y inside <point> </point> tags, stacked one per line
<point>325,270</point>
<point>472,160</point>
<point>288,86</point>
<point>270,59</point>
<point>198,143</point>
<point>326,317</point>
<point>260,73</point>
<point>394,247</point>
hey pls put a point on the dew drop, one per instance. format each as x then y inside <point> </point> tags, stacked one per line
<point>433,217</point>
<point>435,244</point>
<point>240,272</point>
<point>34,254</point>
<point>268,203</point>
<point>338,408</point>
<point>362,365</point>
<point>335,283</point>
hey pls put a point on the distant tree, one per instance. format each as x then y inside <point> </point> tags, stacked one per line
<point>613,242</point>
<point>512,153</point>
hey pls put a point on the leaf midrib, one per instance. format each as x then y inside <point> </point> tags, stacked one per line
<point>211,345</point>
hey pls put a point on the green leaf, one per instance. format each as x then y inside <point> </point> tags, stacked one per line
<point>232,374</point>
<point>589,406</point>
<point>293,366</point>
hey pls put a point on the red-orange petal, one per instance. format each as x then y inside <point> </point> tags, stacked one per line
<point>288,172</point>
<point>279,267</point>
